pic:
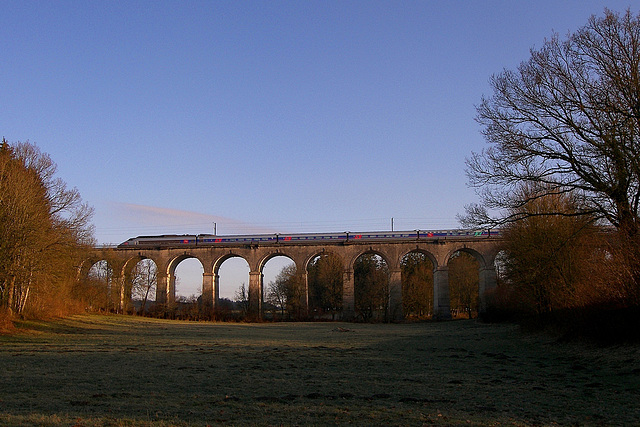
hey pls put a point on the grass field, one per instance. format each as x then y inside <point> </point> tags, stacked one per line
<point>122,371</point>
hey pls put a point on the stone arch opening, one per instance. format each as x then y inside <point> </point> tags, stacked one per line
<point>231,286</point>
<point>417,269</point>
<point>325,277</point>
<point>371,276</point>
<point>188,279</point>
<point>184,292</point>
<point>283,290</point>
<point>141,284</point>
<point>464,282</point>
<point>99,288</point>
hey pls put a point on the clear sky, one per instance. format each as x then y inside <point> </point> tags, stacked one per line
<point>264,116</point>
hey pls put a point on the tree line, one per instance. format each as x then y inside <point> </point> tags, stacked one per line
<point>44,231</point>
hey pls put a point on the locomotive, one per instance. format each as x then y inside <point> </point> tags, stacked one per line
<point>173,240</point>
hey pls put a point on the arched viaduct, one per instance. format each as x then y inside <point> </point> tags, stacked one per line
<point>439,251</point>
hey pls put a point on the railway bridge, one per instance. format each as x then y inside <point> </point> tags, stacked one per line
<point>438,250</point>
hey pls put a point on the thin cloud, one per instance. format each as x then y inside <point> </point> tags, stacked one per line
<point>170,221</point>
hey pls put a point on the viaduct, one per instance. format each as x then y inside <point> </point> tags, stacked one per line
<point>438,250</point>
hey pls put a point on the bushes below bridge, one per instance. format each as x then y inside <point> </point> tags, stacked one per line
<point>565,275</point>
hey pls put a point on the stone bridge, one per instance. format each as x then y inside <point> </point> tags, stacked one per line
<point>438,250</point>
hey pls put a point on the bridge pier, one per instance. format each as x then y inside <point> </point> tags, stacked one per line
<point>348,296</point>
<point>488,282</point>
<point>171,288</point>
<point>441,301</point>
<point>303,280</point>
<point>208,297</point>
<point>216,292</point>
<point>161,288</point>
<point>255,294</point>
<point>395,296</point>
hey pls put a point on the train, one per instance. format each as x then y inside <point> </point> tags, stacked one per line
<point>173,240</point>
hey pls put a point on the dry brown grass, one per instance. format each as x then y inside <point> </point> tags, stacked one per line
<point>127,371</point>
<point>6,323</point>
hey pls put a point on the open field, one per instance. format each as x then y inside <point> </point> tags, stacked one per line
<point>117,370</point>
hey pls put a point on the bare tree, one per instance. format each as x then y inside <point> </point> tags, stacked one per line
<point>24,228</point>
<point>555,262</point>
<point>325,277</point>
<point>463,283</point>
<point>241,298</point>
<point>43,229</point>
<point>285,291</point>
<point>417,284</point>
<point>100,278</point>
<point>371,287</point>
<point>144,281</point>
<point>568,119</point>
<point>277,295</point>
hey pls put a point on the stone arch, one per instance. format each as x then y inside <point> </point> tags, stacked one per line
<point>325,302</point>
<point>279,253</point>
<point>301,302</point>
<point>480,257</point>
<point>428,254</point>
<point>417,290</point>
<point>85,266</point>
<point>103,296</point>
<point>170,274</point>
<point>126,289</point>
<point>212,280</point>
<point>464,268</point>
<point>173,262</point>
<point>485,256</point>
<point>88,263</point>
<point>217,263</point>
<point>385,257</point>
<point>372,297</point>
<point>313,255</point>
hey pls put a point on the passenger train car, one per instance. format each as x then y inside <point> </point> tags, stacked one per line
<point>346,237</point>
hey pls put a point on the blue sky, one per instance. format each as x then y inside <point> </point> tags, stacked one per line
<point>264,116</point>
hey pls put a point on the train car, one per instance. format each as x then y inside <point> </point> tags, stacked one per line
<point>311,237</point>
<point>383,235</point>
<point>452,234</point>
<point>211,239</point>
<point>163,240</point>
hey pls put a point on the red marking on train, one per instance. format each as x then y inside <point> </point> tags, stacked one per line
<point>287,238</point>
<point>185,241</point>
<point>429,234</point>
<point>358,236</point>
<point>218,240</point>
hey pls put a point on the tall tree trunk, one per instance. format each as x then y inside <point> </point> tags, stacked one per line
<point>22,302</point>
<point>10,294</point>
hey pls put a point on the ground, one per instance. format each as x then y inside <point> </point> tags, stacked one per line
<point>118,370</point>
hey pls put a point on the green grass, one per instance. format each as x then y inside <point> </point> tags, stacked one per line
<point>126,371</point>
